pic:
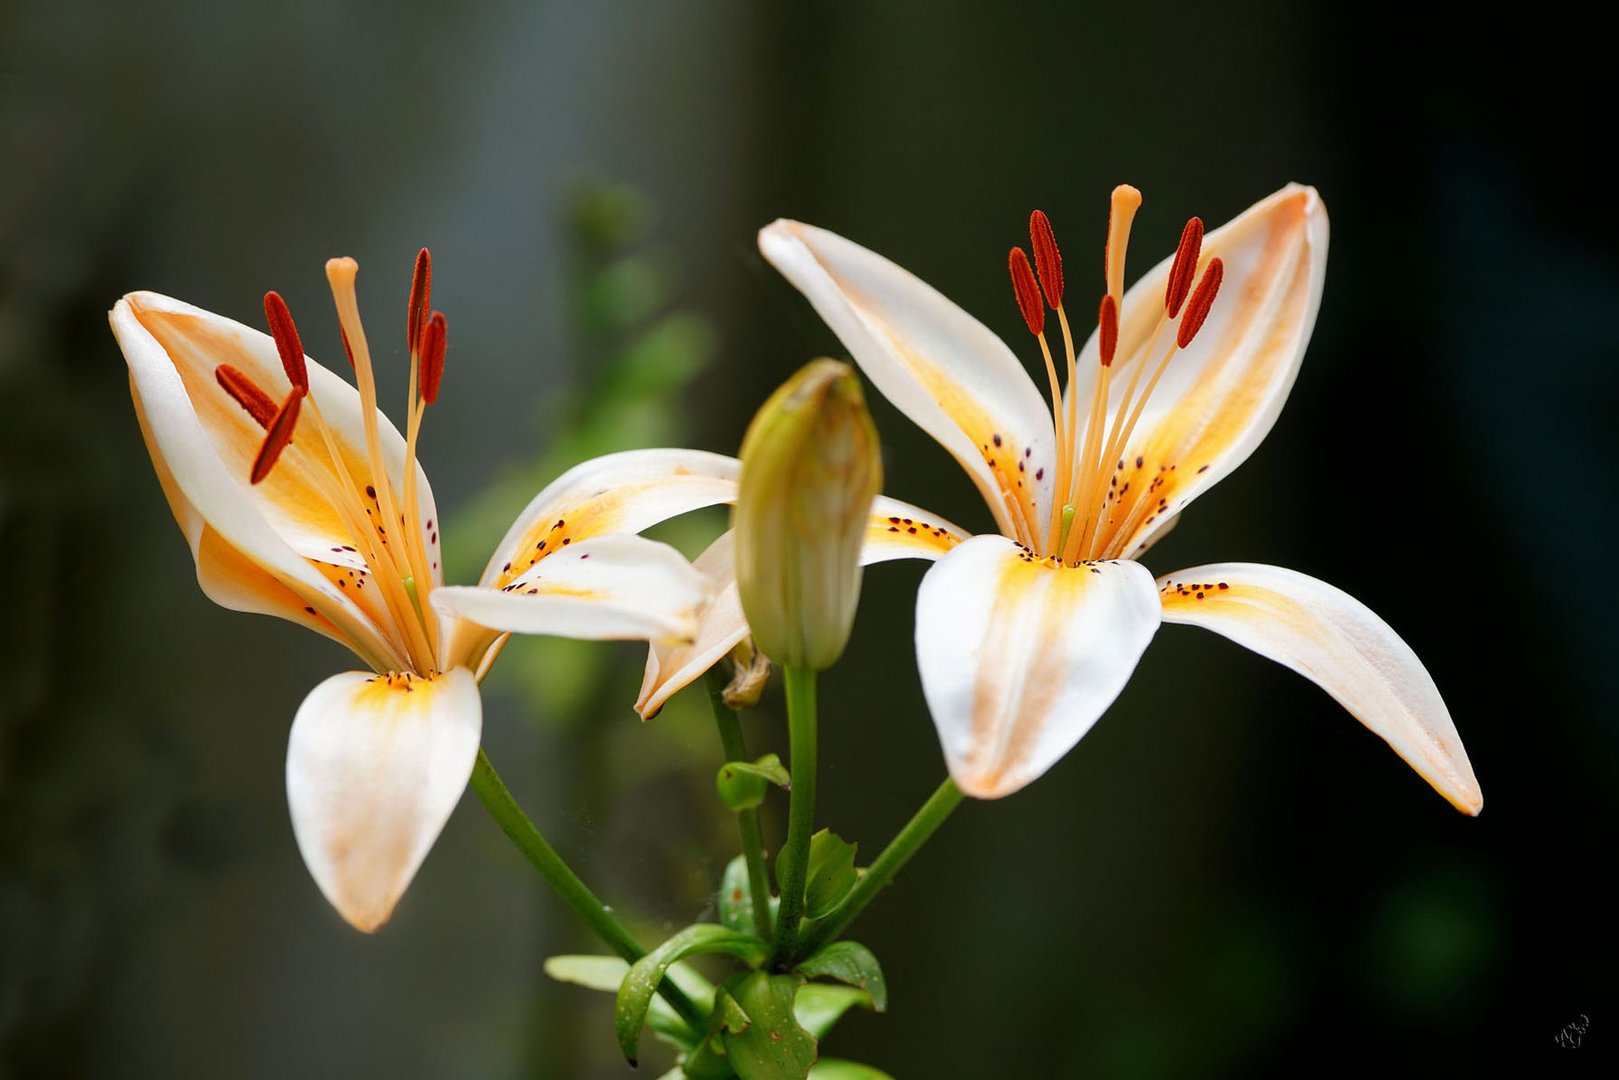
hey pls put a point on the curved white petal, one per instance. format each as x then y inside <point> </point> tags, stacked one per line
<point>1336,642</point>
<point>1019,657</point>
<point>896,530</point>
<point>1218,398</point>
<point>616,493</point>
<point>200,451</point>
<point>375,765</point>
<point>616,586</point>
<point>940,366</point>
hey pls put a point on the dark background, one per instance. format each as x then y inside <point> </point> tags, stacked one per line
<point>1227,878</point>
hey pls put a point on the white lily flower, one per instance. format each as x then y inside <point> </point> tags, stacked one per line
<point>300,500</point>
<point>1025,638</point>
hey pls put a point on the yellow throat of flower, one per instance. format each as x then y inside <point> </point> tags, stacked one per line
<point>1088,518</point>
<point>399,562</point>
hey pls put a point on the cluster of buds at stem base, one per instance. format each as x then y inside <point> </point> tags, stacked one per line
<point>811,468</point>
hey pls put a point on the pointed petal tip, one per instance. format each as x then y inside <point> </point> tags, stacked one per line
<point>1467,798</point>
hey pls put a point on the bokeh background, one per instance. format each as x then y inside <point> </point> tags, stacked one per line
<point>1227,878</point>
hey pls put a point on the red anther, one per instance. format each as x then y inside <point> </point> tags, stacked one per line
<point>1047,260</point>
<point>277,437</point>
<point>1184,268</point>
<point>286,341</point>
<point>255,402</point>
<point>1107,325</point>
<point>432,370</point>
<point>1197,309</point>
<point>348,350</point>
<point>421,291</point>
<point>1026,291</point>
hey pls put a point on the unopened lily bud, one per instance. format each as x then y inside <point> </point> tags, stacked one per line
<point>810,470</point>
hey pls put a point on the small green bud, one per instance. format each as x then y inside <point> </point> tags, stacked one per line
<point>810,469</point>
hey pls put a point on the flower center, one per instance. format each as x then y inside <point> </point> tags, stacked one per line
<point>1087,519</point>
<point>401,564</point>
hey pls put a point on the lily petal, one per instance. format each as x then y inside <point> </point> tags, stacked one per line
<point>1336,642</point>
<point>896,530</point>
<point>254,551</point>
<point>609,587</point>
<point>940,366</point>
<point>1218,398</point>
<point>1020,657</point>
<point>375,765</point>
<point>616,493</point>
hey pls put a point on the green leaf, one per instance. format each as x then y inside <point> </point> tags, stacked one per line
<point>742,784</point>
<point>607,973</point>
<point>735,899</point>
<point>591,972</point>
<point>641,982</point>
<point>838,1069</point>
<point>762,1036</point>
<point>820,1005</point>
<point>830,875</point>
<point>852,963</point>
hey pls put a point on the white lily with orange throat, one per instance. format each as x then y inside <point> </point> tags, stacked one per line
<point>1024,638</point>
<point>300,500</point>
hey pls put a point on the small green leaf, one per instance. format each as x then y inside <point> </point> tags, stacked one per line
<point>708,1061</point>
<point>641,982</point>
<point>830,875</point>
<point>607,973</point>
<point>735,899</point>
<point>838,1069</point>
<point>591,972</point>
<point>742,784</point>
<point>820,1005</point>
<point>763,1039</point>
<point>852,963</point>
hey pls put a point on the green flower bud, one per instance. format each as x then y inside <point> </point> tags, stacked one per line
<point>810,470</point>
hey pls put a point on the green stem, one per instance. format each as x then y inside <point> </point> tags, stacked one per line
<point>898,852</point>
<point>497,799</point>
<point>747,821</point>
<point>800,684</point>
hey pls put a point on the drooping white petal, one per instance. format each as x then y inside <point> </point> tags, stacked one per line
<point>616,493</point>
<point>939,365</point>
<point>375,765</point>
<point>1218,398</point>
<point>1336,642</point>
<point>199,449</point>
<point>897,530</point>
<point>615,586</point>
<point>1019,657</point>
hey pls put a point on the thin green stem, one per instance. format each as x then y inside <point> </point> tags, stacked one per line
<point>898,852</point>
<point>497,799</point>
<point>747,821</point>
<point>792,864</point>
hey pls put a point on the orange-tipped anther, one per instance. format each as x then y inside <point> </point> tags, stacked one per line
<point>432,357</point>
<point>255,402</point>
<point>1107,329</point>
<point>1184,268</point>
<point>277,436</point>
<point>286,341</point>
<point>1197,308</point>
<point>421,292</point>
<point>1027,292</point>
<point>1047,259</point>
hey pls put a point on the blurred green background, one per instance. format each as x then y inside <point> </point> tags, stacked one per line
<point>1228,877</point>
